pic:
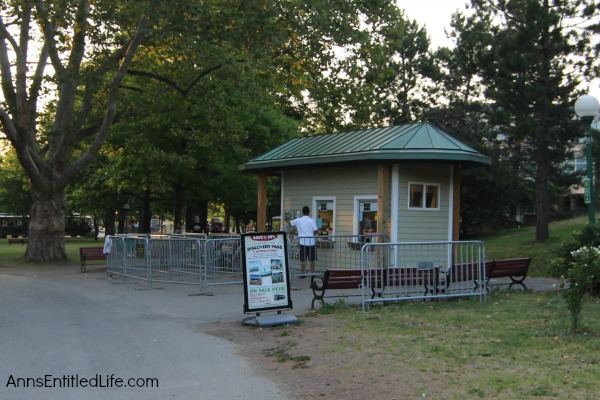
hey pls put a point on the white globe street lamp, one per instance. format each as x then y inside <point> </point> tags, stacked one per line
<point>586,108</point>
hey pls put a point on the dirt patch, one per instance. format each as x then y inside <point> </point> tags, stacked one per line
<point>309,360</point>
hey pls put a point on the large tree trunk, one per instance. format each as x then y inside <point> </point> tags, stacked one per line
<point>47,226</point>
<point>145,223</point>
<point>196,216</point>
<point>109,224</point>
<point>178,189</point>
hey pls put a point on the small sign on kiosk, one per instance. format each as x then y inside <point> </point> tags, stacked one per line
<point>266,278</point>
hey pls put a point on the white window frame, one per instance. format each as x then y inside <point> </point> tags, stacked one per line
<point>366,198</point>
<point>315,211</point>
<point>425,185</point>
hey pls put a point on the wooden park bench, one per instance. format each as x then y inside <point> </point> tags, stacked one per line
<point>17,241</point>
<point>90,254</point>
<point>466,272</point>
<point>420,279</point>
<point>424,277</point>
<point>334,279</point>
<point>514,268</point>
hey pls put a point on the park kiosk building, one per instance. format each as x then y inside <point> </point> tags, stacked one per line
<point>399,181</point>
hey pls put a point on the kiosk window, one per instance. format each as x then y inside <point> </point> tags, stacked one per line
<point>367,216</point>
<point>325,211</point>
<point>424,196</point>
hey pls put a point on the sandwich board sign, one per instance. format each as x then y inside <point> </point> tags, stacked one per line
<point>266,277</point>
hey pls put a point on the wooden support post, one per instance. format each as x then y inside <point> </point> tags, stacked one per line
<point>456,203</point>
<point>384,199</point>
<point>261,218</point>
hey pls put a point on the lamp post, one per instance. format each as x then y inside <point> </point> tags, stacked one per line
<point>586,108</point>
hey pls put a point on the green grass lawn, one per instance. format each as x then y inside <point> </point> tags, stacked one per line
<point>11,255</point>
<point>517,345</point>
<point>520,242</point>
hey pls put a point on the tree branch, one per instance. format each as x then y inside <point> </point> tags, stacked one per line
<point>90,87</point>
<point>138,38</point>
<point>5,68</point>
<point>49,30</point>
<point>35,87</point>
<point>159,78</point>
<point>183,91</point>
<point>8,127</point>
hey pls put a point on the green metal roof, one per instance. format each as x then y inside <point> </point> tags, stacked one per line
<point>411,142</point>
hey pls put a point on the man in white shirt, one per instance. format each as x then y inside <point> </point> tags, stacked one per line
<point>307,229</point>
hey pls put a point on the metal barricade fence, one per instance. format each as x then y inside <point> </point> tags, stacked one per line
<point>176,260</point>
<point>179,259</point>
<point>333,252</point>
<point>188,235</point>
<point>128,257</point>
<point>391,271</point>
<point>223,255</point>
<point>422,270</point>
<point>115,258</point>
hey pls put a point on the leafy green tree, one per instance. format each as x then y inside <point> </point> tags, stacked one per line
<point>530,70</point>
<point>382,72</point>
<point>14,193</point>
<point>72,50</point>
<point>210,104</point>
<point>90,47</point>
<point>199,119</point>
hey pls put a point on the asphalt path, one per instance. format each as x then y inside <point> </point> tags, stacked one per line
<point>65,329</point>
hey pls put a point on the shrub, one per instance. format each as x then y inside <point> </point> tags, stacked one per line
<point>578,264</point>
<point>589,236</point>
<point>580,279</point>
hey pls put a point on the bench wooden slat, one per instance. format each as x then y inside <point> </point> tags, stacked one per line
<point>414,277</point>
<point>514,268</point>
<point>18,240</point>
<point>90,254</point>
<point>342,279</point>
<point>375,279</point>
<point>467,272</point>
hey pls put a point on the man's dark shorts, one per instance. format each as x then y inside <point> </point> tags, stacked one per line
<point>308,253</point>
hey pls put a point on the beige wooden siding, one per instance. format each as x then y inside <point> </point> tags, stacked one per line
<point>342,183</point>
<point>424,225</point>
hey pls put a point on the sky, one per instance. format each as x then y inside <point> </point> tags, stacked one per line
<point>435,15</point>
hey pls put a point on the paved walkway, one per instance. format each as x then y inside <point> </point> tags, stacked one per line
<point>59,325</point>
<point>64,325</point>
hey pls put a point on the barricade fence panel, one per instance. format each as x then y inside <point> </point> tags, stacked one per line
<point>188,235</point>
<point>425,270</point>
<point>115,259</point>
<point>128,257</point>
<point>223,256</point>
<point>176,260</point>
<point>332,252</point>
<point>194,259</point>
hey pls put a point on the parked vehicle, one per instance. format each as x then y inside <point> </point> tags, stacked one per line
<point>13,226</point>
